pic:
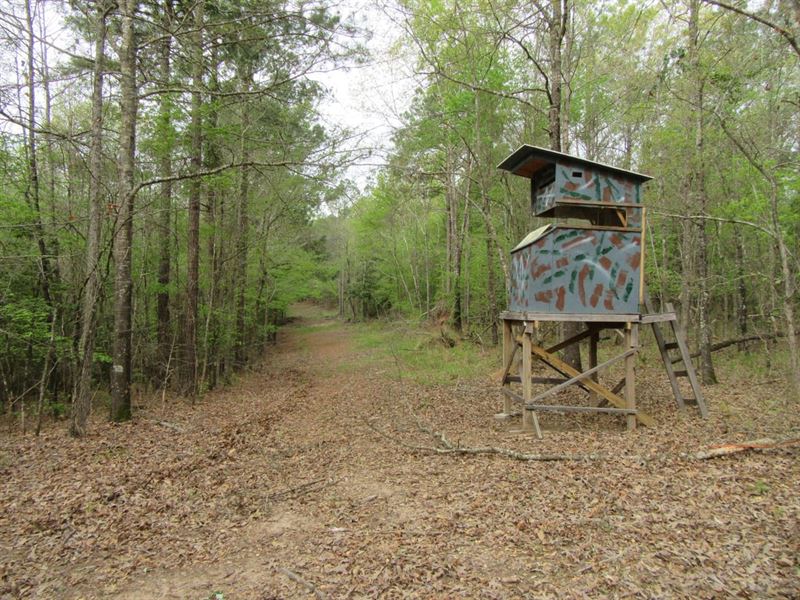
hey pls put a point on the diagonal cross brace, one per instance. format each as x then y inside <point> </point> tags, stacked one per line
<point>580,376</point>
<point>569,371</point>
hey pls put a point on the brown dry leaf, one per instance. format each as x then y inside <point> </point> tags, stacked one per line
<point>279,471</point>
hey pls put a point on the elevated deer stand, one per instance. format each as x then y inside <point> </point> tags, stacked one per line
<point>590,272</point>
<point>522,349</point>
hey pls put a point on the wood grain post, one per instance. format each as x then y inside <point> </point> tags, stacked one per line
<point>508,356</point>
<point>530,422</point>
<point>594,339</point>
<point>526,374</point>
<point>631,343</point>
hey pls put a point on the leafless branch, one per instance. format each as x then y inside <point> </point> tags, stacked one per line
<point>304,582</point>
<point>445,446</point>
<point>787,35</point>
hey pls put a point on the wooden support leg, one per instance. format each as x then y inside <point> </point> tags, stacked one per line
<point>593,341</point>
<point>508,356</point>
<point>631,343</point>
<point>529,419</point>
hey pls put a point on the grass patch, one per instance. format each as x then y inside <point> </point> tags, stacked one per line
<point>417,353</point>
<point>331,324</point>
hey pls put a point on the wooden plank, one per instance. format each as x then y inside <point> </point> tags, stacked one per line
<point>529,418</point>
<point>581,376</point>
<point>594,340</point>
<point>569,341</point>
<point>514,396</point>
<point>604,228</point>
<point>567,370</point>
<point>525,373</point>
<point>547,380</point>
<point>509,350</point>
<point>658,318</point>
<point>508,354</point>
<point>619,385</point>
<point>598,204</point>
<point>581,409</point>
<point>583,318</point>
<point>631,341</point>
<point>665,357</point>
<point>508,415</point>
<point>687,361</point>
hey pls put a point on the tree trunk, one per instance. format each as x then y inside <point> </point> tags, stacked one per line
<point>557,30</point>
<point>32,192</point>
<point>741,288</point>
<point>164,336</point>
<point>458,253</point>
<point>208,376</point>
<point>491,284</point>
<point>687,244</point>
<point>195,186</point>
<point>451,209</point>
<point>242,231</point>
<point>788,297</point>
<point>82,394</point>
<point>123,234</point>
<point>699,197</point>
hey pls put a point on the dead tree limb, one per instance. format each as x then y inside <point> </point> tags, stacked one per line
<point>304,582</point>
<point>760,444</point>
<point>743,340</point>
<point>789,36</point>
<point>303,488</point>
<point>445,446</point>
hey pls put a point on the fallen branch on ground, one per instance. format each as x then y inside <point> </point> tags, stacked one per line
<point>303,488</point>
<point>447,447</point>
<point>171,426</point>
<point>304,582</point>
<point>760,444</point>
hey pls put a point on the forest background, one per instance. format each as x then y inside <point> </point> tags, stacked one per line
<point>170,186</point>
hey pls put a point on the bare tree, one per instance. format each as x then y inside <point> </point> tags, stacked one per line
<point>123,233</point>
<point>195,188</point>
<point>164,337</point>
<point>82,395</point>
<point>697,192</point>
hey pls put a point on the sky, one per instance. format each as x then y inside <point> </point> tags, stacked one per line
<point>370,98</point>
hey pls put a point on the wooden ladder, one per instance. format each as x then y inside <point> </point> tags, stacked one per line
<point>671,361</point>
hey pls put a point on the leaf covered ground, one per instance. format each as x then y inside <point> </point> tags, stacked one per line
<point>295,481</point>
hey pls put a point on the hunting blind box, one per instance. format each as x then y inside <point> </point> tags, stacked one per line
<point>591,272</point>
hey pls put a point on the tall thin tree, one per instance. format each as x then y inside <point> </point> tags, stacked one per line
<point>82,395</point>
<point>123,233</point>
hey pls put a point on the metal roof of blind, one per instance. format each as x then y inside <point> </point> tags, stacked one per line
<point>527,160</point>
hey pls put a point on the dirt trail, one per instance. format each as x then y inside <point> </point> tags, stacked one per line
<point>278,483</point>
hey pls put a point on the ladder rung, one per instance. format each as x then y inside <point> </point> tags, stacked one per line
<point>681,374</point>
<point>670,345</point>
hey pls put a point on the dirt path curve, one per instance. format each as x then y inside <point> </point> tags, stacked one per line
<point>276,485</point>
<point>347,512</point>
<point>329,493</point>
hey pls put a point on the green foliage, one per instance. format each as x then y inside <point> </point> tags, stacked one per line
<point>25,321</point>
<point>426,240</point>
<point>419,354</point>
